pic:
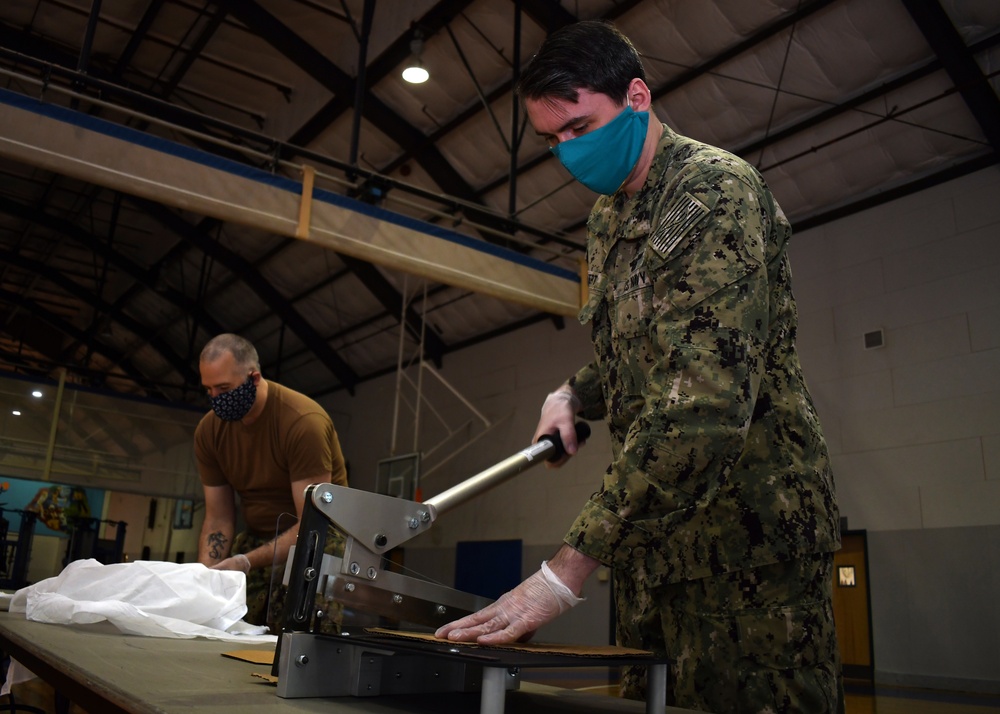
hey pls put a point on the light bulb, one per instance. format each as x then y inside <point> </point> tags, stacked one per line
<point>415,74</point>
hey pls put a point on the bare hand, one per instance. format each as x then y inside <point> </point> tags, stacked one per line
<point>559,415</point>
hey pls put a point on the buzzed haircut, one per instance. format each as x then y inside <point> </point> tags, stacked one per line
<point>241,350</point>
<point>592,54</point>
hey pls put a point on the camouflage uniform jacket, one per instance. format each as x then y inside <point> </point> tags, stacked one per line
<point>719,462</point>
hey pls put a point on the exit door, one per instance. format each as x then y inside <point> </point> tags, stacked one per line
<point>852,606</point>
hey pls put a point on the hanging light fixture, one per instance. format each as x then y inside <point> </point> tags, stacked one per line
<point>415,72</point>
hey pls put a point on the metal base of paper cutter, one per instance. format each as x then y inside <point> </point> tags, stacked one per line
<point>313,665</point>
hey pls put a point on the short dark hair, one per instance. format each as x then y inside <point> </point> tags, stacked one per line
<point>591,54</point>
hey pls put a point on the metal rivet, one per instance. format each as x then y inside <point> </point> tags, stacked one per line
<point>372,573</point>
<point>327,497</point>
<point>355,568</point>
<point>302,660</point>
<point>397,598</point>
<point>441,609</point>
<point>414,523</point>
<point>425,516</point>
<point>381,540</point>
<point>349,587</point>
<point>309,573</point>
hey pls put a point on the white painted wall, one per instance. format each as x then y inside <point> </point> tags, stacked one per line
<point>914,427</point>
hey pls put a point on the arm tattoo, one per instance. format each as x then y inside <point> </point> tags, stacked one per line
<point>217,543</point>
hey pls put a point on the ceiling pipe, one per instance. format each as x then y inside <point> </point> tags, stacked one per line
<point>88,36</point>
<point>960,63</point>
<point>359,86</point>
<point>515,139</point>
<point>475,82</point>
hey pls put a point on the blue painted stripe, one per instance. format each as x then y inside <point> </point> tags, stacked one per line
<point>204,158</point>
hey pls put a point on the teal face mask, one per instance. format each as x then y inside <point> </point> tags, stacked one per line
<point>602,159</point>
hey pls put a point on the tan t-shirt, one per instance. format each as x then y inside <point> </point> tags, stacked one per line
<point>292,439</point>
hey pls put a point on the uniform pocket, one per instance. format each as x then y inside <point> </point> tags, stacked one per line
<point>788,659</point>
<point>788,637</point>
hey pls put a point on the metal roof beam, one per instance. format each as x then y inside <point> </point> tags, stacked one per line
<point>327,73</point>
<point>67,328</point>
<point>199,235</point>
<point>142,276</point>
<point>960,65</point>
<point>392,301</point>
<point>137,36</point>
<point>381,67</point>
<point>81,292</point>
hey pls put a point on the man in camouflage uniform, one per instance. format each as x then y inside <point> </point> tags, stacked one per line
<point>717,513</point>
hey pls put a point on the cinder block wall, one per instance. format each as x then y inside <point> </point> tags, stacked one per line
<point>914,428</point>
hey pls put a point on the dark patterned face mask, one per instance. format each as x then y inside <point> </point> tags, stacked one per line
<point>237,402</point>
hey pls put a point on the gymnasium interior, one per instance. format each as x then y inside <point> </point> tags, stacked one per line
<point>411,256</point>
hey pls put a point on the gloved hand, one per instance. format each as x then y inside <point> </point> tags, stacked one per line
<point>237,562</point>
<point>519,612</point>
<point>559,414</point>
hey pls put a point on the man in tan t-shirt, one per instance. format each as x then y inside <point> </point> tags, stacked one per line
<point>266,443</point>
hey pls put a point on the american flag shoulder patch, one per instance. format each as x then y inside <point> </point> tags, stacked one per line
<point>676,222</point>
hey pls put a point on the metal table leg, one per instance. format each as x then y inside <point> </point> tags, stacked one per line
<point>494,692</point>
<point>656,688</point>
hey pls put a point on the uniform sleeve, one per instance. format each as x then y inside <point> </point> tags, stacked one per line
<point>313,449</point>
<point>688,368</point>
<point>586,384</point>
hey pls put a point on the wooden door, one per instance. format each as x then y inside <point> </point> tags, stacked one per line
<point>852,605</point>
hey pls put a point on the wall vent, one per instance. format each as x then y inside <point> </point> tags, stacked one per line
<point>874,339</point>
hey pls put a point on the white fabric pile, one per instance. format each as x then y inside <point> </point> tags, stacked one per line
<point>151,598</point>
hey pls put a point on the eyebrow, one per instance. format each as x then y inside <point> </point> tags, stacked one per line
<point>566,125</point>
<point>216,384</point>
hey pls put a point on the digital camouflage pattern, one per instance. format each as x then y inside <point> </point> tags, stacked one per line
<point>266,594</point>
<point>719,462</point>
<point>752,641</point>
<point>719,465</point>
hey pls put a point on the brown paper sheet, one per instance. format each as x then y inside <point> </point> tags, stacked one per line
<point>252,656</point>
<point>537,647</point>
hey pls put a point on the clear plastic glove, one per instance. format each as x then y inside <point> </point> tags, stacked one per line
<point>237,562</point>
<point>519,612</point>
<point>559,415</point>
